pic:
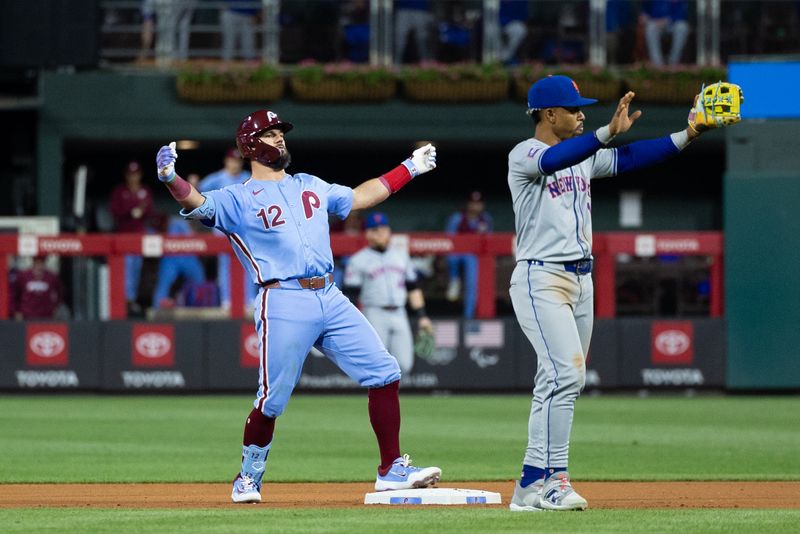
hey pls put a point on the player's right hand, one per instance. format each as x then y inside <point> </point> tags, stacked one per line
<point>423,159</point>
<point>165,162</point>
<point>621,122</point>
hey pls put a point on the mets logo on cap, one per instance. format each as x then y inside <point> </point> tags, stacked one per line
<point>556,91</point>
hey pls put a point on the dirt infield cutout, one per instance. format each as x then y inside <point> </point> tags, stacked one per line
<point>601,495</point>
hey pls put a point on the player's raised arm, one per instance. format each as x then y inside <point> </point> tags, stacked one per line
<point>184,192</point>
<point>377,190</point>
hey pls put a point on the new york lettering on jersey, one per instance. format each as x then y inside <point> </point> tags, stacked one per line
<point>564,234</point>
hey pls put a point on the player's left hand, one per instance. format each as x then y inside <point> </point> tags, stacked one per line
<point>165,162</point>
<point>717,105</point>
<point>621,122</point>
<point>425,324</point>
<point>422,160</point>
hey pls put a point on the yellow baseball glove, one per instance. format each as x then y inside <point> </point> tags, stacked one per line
<point>717,105</point>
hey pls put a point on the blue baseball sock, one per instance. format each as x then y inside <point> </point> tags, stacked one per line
<point>530,475</point>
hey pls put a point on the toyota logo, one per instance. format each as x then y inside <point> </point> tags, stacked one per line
<point>672,342</point>
<point>153,345</point>
<point>47,344</point>
<point>251,345</point>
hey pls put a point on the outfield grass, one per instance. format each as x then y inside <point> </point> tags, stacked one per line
<point>391,521</point>
<point>328,438</point>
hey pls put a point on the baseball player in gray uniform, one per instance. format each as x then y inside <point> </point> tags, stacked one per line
<point>383,278</point>
<point>551,287</point>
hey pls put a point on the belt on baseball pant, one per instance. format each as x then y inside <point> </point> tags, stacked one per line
<point>578,266</point>
<point>390,308</point>
<point>315,282</point>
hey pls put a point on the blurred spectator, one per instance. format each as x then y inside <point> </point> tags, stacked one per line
<point>37,292</point>
<point>665,16</point>
<point>148,28</point>
<point>239,21</point>
<point>619,31</point>
<point>355,30</point>
<point>454,32</point>
<point>205,293</point>
<point>231,173</point>
<point>412,16</point>
<point>131,206</point>
<point>513,27</point>
<point>173,19</point>
<point>171,267</point>
<point>473,219</point>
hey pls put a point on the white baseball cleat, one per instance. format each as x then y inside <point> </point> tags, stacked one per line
<point>527,499</point>
<point>402,475</point>
<point>245,490</point>
<point>557,494</point>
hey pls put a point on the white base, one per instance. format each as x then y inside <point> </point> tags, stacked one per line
<point>433,496</point>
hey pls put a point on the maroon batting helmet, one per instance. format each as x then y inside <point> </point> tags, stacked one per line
<point>249,131</point>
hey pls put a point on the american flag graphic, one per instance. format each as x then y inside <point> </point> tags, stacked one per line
<point>446,334</point>
<point>486,334</point>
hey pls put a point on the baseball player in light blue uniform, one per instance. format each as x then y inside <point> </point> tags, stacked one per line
<point>383,278</point>
<point>277,224</point>
<point>551,288</point>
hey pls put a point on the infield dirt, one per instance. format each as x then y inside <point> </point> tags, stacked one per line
<point>601,495</point>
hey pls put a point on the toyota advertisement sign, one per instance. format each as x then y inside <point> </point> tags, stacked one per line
<point>479,355</point>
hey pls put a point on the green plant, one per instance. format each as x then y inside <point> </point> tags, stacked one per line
<point>534,71</point>
<point>430,71</point>
<point>314,73</point>
<point>686,74</point>
<point>233,76</point>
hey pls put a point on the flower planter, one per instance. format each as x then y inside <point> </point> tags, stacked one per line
<point>665,91</point>
<point>602,90</point>
<point>245,92</point>
<point>342,90</point>
<point>456,91</point>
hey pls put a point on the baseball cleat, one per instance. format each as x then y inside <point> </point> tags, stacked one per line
<point>245,490</point>
<point>402,475</point>
<point>527,499</point>
<point>557,494</point>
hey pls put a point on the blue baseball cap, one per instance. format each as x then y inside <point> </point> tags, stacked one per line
<point>556,91</point>
<point>377,219</point>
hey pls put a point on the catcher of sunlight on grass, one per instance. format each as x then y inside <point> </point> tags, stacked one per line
<point>328,438</point>
<point>394,520</point>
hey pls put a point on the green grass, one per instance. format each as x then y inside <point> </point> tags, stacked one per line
<point>389,521</point>
<point>328,438</point>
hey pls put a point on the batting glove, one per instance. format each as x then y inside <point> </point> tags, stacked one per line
<point>422,160</point>
<point>165,162</point>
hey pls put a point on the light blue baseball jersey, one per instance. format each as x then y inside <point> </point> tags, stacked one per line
<point>279,230</point>
<point>553,213</point>
<point>220,179</point>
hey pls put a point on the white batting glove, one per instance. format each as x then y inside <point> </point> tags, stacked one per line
<point>165,162</point>
<point>422,160</point>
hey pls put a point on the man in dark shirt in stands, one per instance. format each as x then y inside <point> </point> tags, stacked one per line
<point>37,292</point>
<point>132,206</point>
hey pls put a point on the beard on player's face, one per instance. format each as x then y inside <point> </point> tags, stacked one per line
<point>282,162</point>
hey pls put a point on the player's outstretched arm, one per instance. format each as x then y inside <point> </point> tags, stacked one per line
<point>186,195</point>
<point>376,190</point>
<point>717,105</point>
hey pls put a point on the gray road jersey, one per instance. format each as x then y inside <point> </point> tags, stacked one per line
<point>381,276</point>
<point>553,213</point>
